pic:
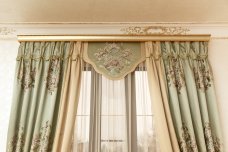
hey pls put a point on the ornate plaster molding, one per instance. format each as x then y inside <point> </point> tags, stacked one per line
<point>7,31</point>
<point>159,30</point>
<point>10,31</point>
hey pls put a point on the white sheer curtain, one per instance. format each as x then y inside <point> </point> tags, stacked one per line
<point>113,116</point>
<point>80,140</point>
<point>146,137</point>
<point>106,119</point>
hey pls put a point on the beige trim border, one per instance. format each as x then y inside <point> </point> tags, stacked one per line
<point>118,23</point>
<point>114,38</point>
<point>219,38</point>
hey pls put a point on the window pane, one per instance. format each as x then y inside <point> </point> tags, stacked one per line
<point>84,98</point>
<point>81,133</point>
<point>113,116</point>
<point>113,97</point>
<point>146,139</point>
<point>113,119</point>
<point>143,100</point>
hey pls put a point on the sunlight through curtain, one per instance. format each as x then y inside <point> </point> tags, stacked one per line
<point>117,115</point>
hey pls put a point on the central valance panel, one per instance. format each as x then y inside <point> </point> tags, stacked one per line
<point>114,59</point>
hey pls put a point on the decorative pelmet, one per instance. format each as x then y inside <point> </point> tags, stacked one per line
<point>113,59</point>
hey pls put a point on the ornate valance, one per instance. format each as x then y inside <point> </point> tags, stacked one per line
<point>114,60</point>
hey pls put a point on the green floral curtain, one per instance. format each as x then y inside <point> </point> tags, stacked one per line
<point>192,97</point>
<point>41,67</point>
<point>38,80</point>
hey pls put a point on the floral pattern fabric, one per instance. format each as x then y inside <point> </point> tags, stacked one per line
<point>41,141</point>
<point>16,144</point>
<point>114,60</point>
<point>38,83</point>
<point>53,74</point>
<point>192,99</point>
<point>175,74</point>
<point>203,76</point>
<point>39,73</point>
<point>187,142</point>
<point>26,76</point>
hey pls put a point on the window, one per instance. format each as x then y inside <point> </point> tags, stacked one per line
<point>113,116</point>
<point>81,137</point>
<point>146,138</point>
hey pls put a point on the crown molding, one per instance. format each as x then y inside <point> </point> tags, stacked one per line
<point>11,30</point>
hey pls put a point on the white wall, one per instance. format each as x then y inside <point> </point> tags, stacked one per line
<point>8,52</point>
<point>218,55</point>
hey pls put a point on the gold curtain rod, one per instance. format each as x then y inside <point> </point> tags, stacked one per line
<point>116,38</point>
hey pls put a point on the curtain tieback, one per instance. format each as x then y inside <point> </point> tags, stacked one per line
<point>155,57</point>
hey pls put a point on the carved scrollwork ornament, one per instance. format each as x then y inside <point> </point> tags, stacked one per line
<point>155,30</point>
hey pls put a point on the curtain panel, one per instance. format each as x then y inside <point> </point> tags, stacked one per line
<point>69,100</point>
<point>191,93</point>
<point>37,88</point>
<point>163,119</point>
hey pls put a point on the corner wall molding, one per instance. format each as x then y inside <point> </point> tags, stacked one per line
<point>159,30</point>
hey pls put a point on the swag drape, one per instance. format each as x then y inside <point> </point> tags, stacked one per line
<point>47,88</point>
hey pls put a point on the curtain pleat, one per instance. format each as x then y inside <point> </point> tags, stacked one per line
<point>80,140</point>
<point>191,96</point>
<point>124,136</point>
<point>95,112</point>
<point>131,119</point>
<point>69,100</point>
<point>113,116</point>
<point>163,121</point>
<point>146,134</point>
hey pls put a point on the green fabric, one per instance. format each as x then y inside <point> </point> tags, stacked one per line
<point>114,60</point>
<point>38,79</point>
<point>192,97</point>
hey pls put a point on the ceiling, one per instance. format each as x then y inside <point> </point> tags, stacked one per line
<point>96,11</point>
